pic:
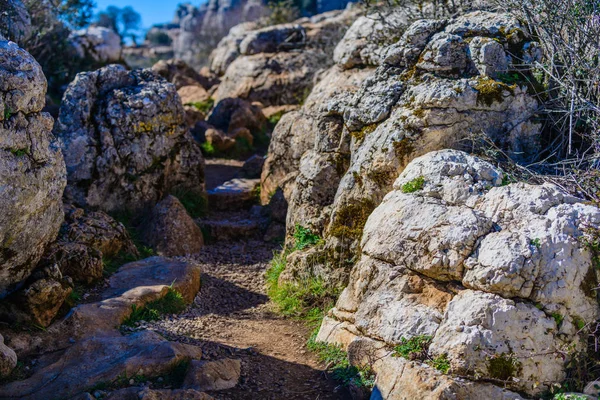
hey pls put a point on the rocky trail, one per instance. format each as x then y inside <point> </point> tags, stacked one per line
<point>233,317</point>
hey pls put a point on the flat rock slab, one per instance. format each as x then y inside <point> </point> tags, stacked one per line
<point>136,393</point>
<point>234,195</point>
<point>213,375</point>
<point>101,359</point>
<point>225,230</point>
<point>136,283</point>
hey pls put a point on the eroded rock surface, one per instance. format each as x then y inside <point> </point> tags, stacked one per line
<point>429,92</point>
<point>278,65</point>
<point>33,170</point>
<point>125,141</point>
<point>170,230</point>
<point>100,44</point>
<point>483,269</point>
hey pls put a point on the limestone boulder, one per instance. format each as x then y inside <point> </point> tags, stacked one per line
<point>272,79</point>
<point>213,375</point>
<point>498,276</point>
<point>273,39</point>
<point>170,230</point>
<point>180,74</point>
<point>231,114</point>
<point>365,41</point>
<point>33,177</point>
<point>125,141</point>
<point>15,21</point>
<point>430,91</point>
<point>97,43</point>
<point>228,48</point>
<point>8,359</point>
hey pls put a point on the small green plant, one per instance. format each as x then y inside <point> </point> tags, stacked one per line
<point>579,323</point>
<point>171,303</point>
<point>508,78</point>
<point>536,242</point>
<point>195,204</point>
<point>413,185</point>
<point>414,348</point>
<point>557,318</point>
<point>570,396</point>
<point>19,152</point>
<point>303,238</point>
<point>441,363</point>
<point>7,113</point>
<point>337,360</point>
<point>203,106</point>
<point>503,366</point>
<point>208,149</point>
<point>275,118</point>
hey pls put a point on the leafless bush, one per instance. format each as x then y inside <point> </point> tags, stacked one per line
<point>420,9</point>
<point>568,32</point>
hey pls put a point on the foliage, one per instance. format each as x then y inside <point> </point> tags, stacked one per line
<point>568,32</point>
<point>171,303</point>
<point>417,348</point>
<point>124,21</point>
<point>281,12</point>
<point>536,242</point>
<point>413,185</point>
<point>337,360</point>
<point>158,38</point>
<point>414,348</point>
<point>203,106</point>
<point>50,45</point>
<point>208,149</point>
<point>441,363</point>
<point>195,204</point>
<point>503,366</point>
<point>303,238</point>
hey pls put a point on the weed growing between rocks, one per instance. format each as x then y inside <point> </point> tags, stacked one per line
<point>195,204</point>
<point>203,106</point>
<point>414,185</point>
<point>171,303</point>
<point>337,363</point>
<point>112,264</point>
<point>417,348</point>
<point>303,238</point>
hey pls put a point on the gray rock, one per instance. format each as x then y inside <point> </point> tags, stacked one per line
<point>505,244</point>
<point>8,359</point>
<point>213,375</point>
<point>170,231</point>
<point>33,170</point>
<point>125,141</point>
<point>364,42</point>
<point>15,21</point>
<point>102,45</point>
<point>273,39</point>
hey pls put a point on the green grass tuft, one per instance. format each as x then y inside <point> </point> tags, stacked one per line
<point>414,185</point>
<point>195,204</point>
<point>303,238</point>
<point>440,363</point>
<point>171,303</point>
<point>203,106</point>
<point>208,149</point>
<point>337,360</point>
<point>413,348</point>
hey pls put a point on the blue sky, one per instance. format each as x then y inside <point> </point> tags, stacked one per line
<point>152,11</point>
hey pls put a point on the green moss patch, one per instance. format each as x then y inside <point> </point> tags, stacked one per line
<point>413,185</point>
<point>351,219</point>
<point>503,366</point>
<point>491,91</point>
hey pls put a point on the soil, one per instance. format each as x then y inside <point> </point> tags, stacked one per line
<point>233,317</point>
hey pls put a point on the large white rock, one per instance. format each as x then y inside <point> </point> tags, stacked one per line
<point>519,249</point>
<point>101,44</point>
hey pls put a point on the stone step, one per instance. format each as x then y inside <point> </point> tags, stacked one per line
<point>230,229</point>
<point>236,194</point>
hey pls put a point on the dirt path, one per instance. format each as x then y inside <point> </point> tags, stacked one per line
<point>233,317</point>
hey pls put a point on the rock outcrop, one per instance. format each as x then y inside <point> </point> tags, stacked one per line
<point>98,44</point>
<point>125,141</point>
<point>498,276</point>
<point>277,65</point>
<point>428,93</point>
<point>33,170</point>
<point>170,231</point>
<point>15,21</point>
